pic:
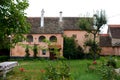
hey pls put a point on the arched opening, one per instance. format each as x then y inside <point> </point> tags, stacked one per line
<point>53,39</point>
<point>41,38</point>
<point>29,38</point>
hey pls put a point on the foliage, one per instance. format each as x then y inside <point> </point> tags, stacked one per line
<point>71,50</point>
<point>93,26</point>
<point>79,53</point>
<point>86,24</point>
<point>3,58</point>
<point>107,72</point>
<point>38,67</point>
<point>27,55</point>
<point>12,22</point>
<point>55,50</point>
<point>112,62</point>
<point>93,46</point>
<point>35,50</point>
<point>61,71</point>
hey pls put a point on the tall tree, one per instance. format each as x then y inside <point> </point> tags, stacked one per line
<point>93,25</point>
<point>13,23</point>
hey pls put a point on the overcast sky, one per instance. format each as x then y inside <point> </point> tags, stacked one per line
<point>75,8</point>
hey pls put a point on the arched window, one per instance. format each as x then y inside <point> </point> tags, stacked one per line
<point>41,38</point>
<point>29,38</point>
<point>53,39</point>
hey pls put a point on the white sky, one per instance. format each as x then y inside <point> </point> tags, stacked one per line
<point>75,8</point>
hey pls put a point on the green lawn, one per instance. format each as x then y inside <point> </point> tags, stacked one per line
<point>32,70</point>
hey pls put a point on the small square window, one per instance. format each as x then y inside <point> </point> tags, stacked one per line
<point>74,35</point>
<point>44,52</point>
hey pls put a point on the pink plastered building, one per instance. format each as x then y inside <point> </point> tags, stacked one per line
<point>52,29</point>
<point>110,42</point>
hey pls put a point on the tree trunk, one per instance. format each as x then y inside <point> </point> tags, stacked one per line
<point>94,49</point>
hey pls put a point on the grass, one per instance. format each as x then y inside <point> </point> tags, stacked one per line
<point>32,70</point>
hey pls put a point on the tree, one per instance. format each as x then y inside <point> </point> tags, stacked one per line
<point>27,55</point>
<point>35,50</point>
<point>71,50</point>
<point>93,26</point>
<point>12,22</point>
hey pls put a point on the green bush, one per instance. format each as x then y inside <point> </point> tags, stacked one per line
<point>112,62</point>
<point>27,55</point>
<point>94,49</point>
<point>60,71</point>
<point>71,50</point>
<point>35,50</point>
<point>4,58</point>
<point>108,73</point>
<point>106,70</point>
<point>91,56</point>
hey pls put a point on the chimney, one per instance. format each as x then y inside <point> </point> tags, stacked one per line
<point>60,19</point>
<point>42,18</point>
<point>94,21</point>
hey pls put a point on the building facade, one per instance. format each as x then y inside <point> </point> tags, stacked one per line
<point>51,29</point>
<point>47,34</point>
<point>110,42</point>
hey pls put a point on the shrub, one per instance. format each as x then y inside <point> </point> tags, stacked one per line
<point>71,50</point>
<point>27,52</point>
<point>35,50</point>
<point>112,62</point>
<point>94,49</point>
<point>4,58</point>
<point>107,73</point>
<point>61,71</point>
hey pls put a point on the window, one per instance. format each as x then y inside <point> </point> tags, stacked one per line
<point>44,52</point>
<point>74,35</point>
<point>29,38</point>
<point>53,39</point>
<point>41,38</point>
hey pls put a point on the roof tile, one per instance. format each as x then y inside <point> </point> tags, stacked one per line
<point>52,24</point>
<point>115,31</point>
<point>105,40</point>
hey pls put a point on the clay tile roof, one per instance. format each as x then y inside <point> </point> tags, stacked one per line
<point>105,40</point>
<point>52,25</point>
<point>70,23</point>
<point>115,31</point>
